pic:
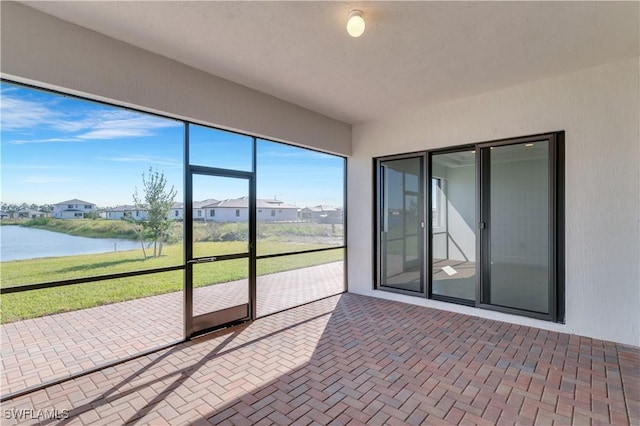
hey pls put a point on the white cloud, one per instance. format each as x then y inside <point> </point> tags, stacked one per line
<point>48,140</point>
<point>22,114</point>
<point>26,116</point>
<point>114,133</point>
<point>119,124</point>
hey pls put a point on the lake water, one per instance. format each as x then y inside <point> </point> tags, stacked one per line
<point>18,243</point>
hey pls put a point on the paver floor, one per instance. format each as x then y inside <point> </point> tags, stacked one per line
<point>42,349</point>
<point>352,359</point>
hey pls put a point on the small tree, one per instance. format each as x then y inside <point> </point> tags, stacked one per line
<point>157,203</point>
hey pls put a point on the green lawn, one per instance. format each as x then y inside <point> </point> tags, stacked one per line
<point>36,303</point>
<point>34,271</point>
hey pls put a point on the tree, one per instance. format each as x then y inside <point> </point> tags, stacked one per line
<point>157,203</point>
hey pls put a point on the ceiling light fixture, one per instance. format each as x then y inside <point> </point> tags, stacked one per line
<point>355,24</point>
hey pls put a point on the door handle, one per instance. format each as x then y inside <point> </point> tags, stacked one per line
<point>202,260</point>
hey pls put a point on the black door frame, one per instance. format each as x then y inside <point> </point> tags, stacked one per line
<point>194,326</point>
<point>379,251</point>
<point>555,231</point>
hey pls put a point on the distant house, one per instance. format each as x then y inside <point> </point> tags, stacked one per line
<point>73,209</point>
<point>200,209</point>
<point>4,215</point>
<point>212,210</point>
<point>126,211</point>
<point>275,211</point>
<point>322,214</point>
<point>177,211</point>
<point>30,214</point>
<point>237,210</point>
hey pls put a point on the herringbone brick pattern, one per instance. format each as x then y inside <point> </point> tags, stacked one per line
<point>355,360</point>
<point>39,350</point>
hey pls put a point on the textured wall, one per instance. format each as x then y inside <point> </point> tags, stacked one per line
<point>598,109</point>
<point>40,49</point>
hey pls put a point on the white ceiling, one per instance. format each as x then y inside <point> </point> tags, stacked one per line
<point>411,52</point>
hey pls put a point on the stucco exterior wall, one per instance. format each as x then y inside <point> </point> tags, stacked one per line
<point>228,214</point>
<point>599,110</point>
<point>283,215</point>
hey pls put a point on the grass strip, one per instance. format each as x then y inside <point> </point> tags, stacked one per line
<point>37,303</point>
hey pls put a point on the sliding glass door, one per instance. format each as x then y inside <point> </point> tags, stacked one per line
<point>518,226</point>
<point>495,225</point>
<point>453,225</point>
<point>402,223</point>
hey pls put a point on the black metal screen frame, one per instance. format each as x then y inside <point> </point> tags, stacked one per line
<point>252,232</point>
<point>186,166</point>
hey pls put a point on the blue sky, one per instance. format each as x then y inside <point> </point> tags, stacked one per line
<point>55,148</point>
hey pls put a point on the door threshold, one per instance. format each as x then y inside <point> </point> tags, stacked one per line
<point>217,331</point>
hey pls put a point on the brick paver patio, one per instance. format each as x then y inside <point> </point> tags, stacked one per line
<point>352,359</point>
<point>39,350</point>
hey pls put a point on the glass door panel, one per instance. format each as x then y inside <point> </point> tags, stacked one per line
<point>206,146</point>
<point>402,224</point>
<point>220,285</point>
<point>220,215</point>
<point>518,227</point>
<point>453,219</point>
<point>218,268</point>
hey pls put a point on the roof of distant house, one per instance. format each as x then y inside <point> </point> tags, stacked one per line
<point>322,208</point>
<point>123,208</point>
<point>242,202</point>
<point>74,201</point>
<point>204,203</point>
<point>274,204</point>
<point>260,203</point>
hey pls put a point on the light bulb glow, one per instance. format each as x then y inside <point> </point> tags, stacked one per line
<point>355,24</point>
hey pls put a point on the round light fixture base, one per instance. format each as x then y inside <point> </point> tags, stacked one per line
<point>355,24</point>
